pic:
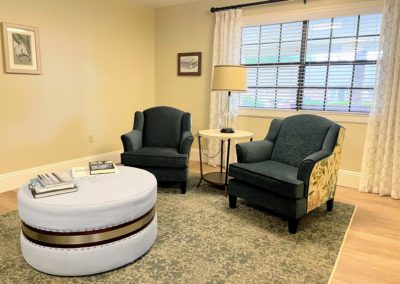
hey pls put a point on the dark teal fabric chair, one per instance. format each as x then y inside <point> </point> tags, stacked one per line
<point>293,170</point>
<point>160,143</point>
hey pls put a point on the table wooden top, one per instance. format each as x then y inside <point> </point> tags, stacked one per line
<point>215,133</point>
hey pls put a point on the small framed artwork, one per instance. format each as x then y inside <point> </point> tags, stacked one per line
<point>21,49</point>
<point>189,64</point>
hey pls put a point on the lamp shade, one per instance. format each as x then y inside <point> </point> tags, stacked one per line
<point>230,78</point>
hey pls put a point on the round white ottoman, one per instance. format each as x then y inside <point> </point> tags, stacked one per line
<point>109,222</point>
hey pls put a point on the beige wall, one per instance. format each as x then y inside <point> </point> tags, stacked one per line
<point>98,68</point>
<point>189,28</point>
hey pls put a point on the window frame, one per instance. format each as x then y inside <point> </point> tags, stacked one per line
<point>351,117</point>
<point>311,11</point>
<point>303,63</point>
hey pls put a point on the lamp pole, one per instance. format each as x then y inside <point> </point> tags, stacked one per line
<point>228,129</point>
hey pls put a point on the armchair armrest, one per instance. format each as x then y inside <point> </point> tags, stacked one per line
<point>308,163</point>
<point>255,151</point>
<point>186,142</point>
<point>132,140</point>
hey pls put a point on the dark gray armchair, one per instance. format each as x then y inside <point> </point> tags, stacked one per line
<point>160,143</point>
<point>293,170</point>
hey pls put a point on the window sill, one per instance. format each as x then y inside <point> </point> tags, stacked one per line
<point>357,118</point>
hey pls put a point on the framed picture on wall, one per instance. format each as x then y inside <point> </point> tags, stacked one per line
<point>189,64</point>
<point>21,49</point>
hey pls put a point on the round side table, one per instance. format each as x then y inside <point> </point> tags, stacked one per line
<point>220,178</point>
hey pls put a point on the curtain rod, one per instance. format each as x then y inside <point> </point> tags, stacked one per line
<point>217,9</point>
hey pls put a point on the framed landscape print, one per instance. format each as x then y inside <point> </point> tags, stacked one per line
<point>21,49</point>
<point>189,64</point>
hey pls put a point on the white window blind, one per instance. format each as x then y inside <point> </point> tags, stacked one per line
<point>325,64</point>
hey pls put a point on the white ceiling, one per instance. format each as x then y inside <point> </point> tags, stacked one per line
<point>162,3</point>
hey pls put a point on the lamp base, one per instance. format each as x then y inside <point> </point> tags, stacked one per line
<point>227,130</point>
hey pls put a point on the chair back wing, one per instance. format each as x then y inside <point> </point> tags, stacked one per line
<point>138,121</point>
<point>273,131</point>
<point>186,122</point>
<point>300,136</point>
<point>162,127</point>
<point>323,178</point>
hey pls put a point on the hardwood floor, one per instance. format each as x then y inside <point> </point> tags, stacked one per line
<point>8,201</point>
<point>371,252</point>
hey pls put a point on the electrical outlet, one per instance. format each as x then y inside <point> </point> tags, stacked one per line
<point>90,138</point>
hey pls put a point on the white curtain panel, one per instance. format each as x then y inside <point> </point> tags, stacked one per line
<point>226,50</point>
<point>381,166</point>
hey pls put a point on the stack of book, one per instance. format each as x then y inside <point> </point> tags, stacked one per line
<point>101,167</point>
<point>52,184</point>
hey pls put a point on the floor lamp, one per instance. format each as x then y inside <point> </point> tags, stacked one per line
<point>231,78</point>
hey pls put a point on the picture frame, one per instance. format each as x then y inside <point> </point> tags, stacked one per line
<point>189,64</point>
<point>21,49</point>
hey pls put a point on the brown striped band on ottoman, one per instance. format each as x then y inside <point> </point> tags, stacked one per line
<point>87,238</point>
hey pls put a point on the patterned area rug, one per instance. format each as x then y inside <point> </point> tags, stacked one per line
<point>201,240</point>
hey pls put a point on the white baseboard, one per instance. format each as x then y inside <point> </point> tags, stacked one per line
<point>349,179</point>
<point>14,180</point>
<point>346,178</point>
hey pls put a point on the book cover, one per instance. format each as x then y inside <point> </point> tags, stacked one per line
<point>35,184</point>
<point>57,179</point>
<point>80,172</point>
<point>101,167</point>
<point>63,176</point>
<point>84,172</point>
<point>38,188</point>
<point>52,192</point>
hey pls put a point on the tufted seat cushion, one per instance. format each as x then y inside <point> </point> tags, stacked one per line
<point>274,176</point>
<point>92,207</point>
<point>155,157</point>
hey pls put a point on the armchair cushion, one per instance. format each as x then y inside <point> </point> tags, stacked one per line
<point>132,140</point>
<point>256,151</point>
<point>186,142</point>
<point>270,175</point>
<point>299,137</point>
<point>162,127</point>
<point>155,157</point>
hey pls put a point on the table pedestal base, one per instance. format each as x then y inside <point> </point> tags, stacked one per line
<point>215,178</point>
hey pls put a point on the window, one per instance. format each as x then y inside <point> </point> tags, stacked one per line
<point>325,64</point>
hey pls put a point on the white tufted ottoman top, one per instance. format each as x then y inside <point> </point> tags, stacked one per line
<point>101,201</point>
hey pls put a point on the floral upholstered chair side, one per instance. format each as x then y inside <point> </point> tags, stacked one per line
<point>323,179</point>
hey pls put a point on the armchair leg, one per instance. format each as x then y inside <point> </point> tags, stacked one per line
<point>329,205</point>
<point>232,201</point>
<point>183,187</point>
<point>293,225</point>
